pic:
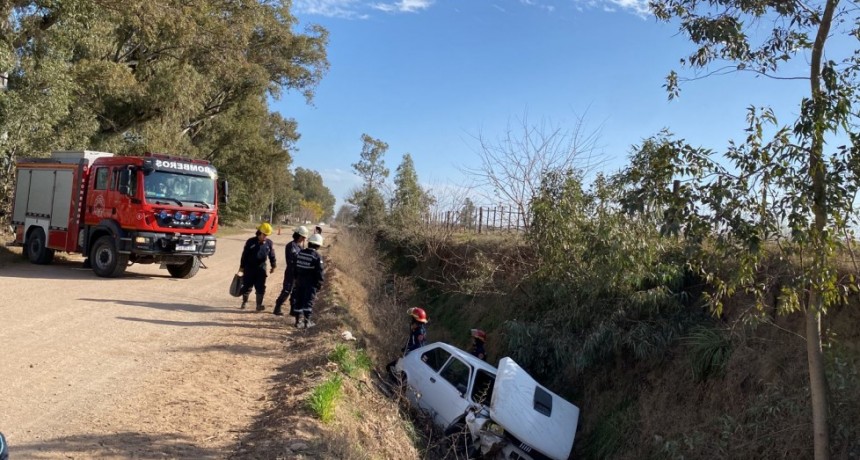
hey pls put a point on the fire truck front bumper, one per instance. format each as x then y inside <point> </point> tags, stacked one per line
<point>158,244</point>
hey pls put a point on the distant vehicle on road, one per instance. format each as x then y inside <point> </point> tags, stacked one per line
<point>503,411</point>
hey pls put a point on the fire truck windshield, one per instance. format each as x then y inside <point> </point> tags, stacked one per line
<point>161,186</point>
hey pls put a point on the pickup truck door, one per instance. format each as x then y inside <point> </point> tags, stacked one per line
<point>446,391</point>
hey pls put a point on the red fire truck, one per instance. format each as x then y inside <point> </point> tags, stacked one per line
<point>117,210</point>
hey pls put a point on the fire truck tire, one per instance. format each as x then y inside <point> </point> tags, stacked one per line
<point>37,248</point>
<point>186,270</point>
<point>107,262</point>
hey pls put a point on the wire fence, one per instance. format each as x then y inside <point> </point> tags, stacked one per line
<point>479,220</point>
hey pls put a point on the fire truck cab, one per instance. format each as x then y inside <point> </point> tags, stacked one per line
<point>117,210</point>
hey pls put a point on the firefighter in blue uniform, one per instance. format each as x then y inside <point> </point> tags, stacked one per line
<point>417,335</point>
<point>253,264</point>
<point>417,329</point>
<point>292,253</point>
<point>309,279</point>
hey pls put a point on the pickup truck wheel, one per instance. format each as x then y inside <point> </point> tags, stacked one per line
<point>37,248</point>
<point>185,270</point>
<point>107,262</point>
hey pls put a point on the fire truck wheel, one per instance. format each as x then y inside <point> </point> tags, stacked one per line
<point>37,249</point>
<point>107,262</point>
<point>186,270</point>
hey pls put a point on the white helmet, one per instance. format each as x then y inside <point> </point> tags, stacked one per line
<point>302,230</point>
<point>316,239</point>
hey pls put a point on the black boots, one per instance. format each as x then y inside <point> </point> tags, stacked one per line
<point>260,306</point>
<point>278,311</point>
<point>244,300</point>
<point>306,322</point>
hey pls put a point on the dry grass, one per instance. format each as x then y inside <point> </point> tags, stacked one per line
<point>364,424</point>
<point>369,300</point>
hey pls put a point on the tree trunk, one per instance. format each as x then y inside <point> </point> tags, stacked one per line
<point>817,378</point>
<point>814,353</point>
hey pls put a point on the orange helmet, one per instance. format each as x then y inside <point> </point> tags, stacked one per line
<point>418,313</point>
<point>479,334</point>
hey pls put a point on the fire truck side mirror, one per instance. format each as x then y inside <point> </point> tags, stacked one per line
<point>125,181</point>
<point>223,192</point>
<point>148,165</point>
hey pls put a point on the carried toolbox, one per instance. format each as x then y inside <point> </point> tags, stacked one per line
<point>236,285</point>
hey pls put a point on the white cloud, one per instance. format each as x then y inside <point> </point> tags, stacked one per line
<point>355,9</point>
<point>499,8</point>
<point>537,4</point>
<point>347,9</point>
<point>637,7</point>
<point>403,6</point>
<point>640,7</point>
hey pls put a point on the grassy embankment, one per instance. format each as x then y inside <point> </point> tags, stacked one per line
<point>666,380</point>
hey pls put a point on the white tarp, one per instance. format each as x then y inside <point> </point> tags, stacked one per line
<point>513,407</point>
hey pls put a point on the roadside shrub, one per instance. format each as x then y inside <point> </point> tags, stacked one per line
<point>710,351</point>
<point>324,396</point>
<point>612,432</point>
<point>843,377</point>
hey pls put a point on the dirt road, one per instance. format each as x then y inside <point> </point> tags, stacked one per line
<point>141,366</point>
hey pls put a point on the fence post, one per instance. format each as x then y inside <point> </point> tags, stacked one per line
<point>494,218</point>
<point>480,219</point>
<point>510,214</point>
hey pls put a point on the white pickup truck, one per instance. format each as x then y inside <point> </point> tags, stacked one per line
<point>504,411</point>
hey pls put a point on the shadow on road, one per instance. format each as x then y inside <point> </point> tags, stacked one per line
<point>235,348</point>
<point>199,323</point>
<point>117,445</point>
<point>168,306</point>
<point>64,269</point>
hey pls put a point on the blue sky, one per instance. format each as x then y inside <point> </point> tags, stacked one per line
<point>426,76</point>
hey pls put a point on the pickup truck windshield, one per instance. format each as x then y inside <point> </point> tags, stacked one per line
<point>179,189</point>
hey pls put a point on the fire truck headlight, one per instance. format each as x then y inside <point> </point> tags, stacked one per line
<point>210,244</point>
<point>141,240</point>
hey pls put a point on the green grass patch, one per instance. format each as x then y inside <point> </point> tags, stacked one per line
<point>323,398</point>
<point>351,362</point>
<point>340,355</point>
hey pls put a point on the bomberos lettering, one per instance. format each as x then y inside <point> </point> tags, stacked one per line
<point>181,166</point>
